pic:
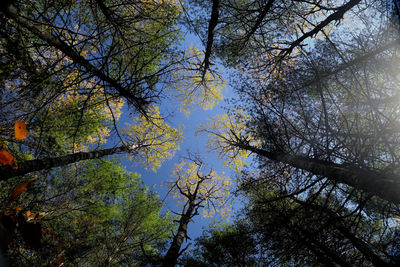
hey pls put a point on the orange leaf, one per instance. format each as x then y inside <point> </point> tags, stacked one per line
<point>7,159</point>
<point>43,231</point>
<point>20,130</point>
<point>19,189</point>
<point>28,213</point>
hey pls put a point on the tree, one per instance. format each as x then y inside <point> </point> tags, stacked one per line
<point>137,79</point>
<point>94,213</point>
<point>317,230</point>
<point>70,90</point>
<point>224,245</point>
<point>320,125</point>
<point>339,128</point>
<point>195,191</point>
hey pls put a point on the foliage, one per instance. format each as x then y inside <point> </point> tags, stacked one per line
<point>158,141</point>
<point>317,87</point>
<point>316,230</point>
<point>223,131</point>
<point>210,191</point>
<point>192,88</point>
<point>96,213</point>
<point>224,245</point>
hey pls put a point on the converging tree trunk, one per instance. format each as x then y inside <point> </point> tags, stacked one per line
<point>381,185</point>
<point>29,166</point>
<point>174,252</point>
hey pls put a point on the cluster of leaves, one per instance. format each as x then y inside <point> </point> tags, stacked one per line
<point>224,245</point>
<point>211,191</point>
<point>157,140</point>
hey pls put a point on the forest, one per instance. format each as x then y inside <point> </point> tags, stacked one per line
<point>306,139</point>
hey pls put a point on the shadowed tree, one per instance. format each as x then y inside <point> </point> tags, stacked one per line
<point>341,127</point>
<point>195,191</point>
<point>224,245</point>
<point>91,213</point>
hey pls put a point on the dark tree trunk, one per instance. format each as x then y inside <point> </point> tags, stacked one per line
<point>173,252</point>
<point>210,38</point>
<point>384,186</point>
<point>319,248</point>
<point>29,166</point>
<point>259,20</point>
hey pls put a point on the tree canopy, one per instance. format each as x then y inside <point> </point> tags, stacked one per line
<point>309,141</point>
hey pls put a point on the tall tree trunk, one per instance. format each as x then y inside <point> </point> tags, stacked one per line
<point>173,252</point>
<point>382,185</point>
<point>210,38</point>
<point>29,166</point>
<point>259,20</point>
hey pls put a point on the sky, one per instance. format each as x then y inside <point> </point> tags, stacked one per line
<point>192,142</point>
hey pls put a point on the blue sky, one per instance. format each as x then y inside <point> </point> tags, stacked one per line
<point>192,142</point>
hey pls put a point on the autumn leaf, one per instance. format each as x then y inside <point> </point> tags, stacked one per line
<point>19,189</point>
<point>20,130</point>
<point>7,159</point>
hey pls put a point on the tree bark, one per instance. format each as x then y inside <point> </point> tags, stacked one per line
<point>29,166</point>
<point>173,253</point>
<point>382,185</point>
<point>210,38</point>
